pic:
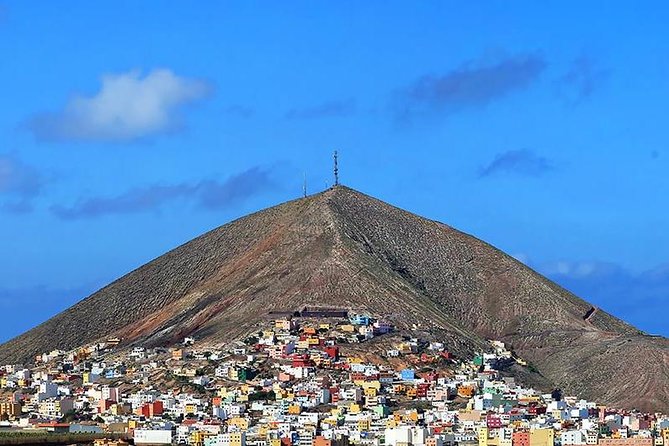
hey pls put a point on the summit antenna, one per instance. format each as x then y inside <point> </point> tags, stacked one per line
<point>304,186</point>
<point>336,169</point>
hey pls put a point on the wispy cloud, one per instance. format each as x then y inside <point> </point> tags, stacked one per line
<point>208,194</point>
<point>128,106</point>
<point>474,84</point>
<point>581,79</point>
<point>520,162</point>
<point>20,183</point>
<point>325,110</point>
<point>580,270</point>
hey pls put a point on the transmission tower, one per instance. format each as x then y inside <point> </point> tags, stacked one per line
<point>336,169</point>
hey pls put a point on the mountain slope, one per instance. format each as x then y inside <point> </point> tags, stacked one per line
<point>343,248</point>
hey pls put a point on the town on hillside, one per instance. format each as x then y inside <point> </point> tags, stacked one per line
<point>315,378</point>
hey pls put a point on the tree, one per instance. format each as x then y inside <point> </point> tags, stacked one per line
<point>251,340</point>
<point>69,416</point>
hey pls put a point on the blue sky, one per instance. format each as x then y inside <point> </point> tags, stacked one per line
<point>127,128</point>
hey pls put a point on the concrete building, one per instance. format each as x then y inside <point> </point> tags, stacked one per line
<point>153,436</point>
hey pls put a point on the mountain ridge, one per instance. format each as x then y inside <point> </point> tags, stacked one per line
<point>344,248</point>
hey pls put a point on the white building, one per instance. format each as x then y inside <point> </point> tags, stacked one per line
<point>154,437</point>
<point>572,437</point>
<point>405,435</point>
<point>229,439</point>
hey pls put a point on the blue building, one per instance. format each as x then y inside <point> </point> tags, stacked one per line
<point>361,319</point>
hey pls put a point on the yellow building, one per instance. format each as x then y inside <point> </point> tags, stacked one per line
<point>109,442</point>
<point>399,388</point>
<point>237,438</point>
<point>374,384</point>
<point>665,436</point>
<point>483,436</point>
<point>10,410</point>
<point>282,324</point>
<point>541,437</point>
<point>557,414</point>
<point>197,437</point>
<point>239,422</point>
<point>407,416</point>
<point>331,421</point>
<point>370,391</point>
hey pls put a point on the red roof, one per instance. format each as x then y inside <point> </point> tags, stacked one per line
<point>53,424</point>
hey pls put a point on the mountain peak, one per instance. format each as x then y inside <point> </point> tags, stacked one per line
<point>341,248</point>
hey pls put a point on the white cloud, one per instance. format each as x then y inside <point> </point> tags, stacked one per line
<point>127,107</point>
<point>579,269</point>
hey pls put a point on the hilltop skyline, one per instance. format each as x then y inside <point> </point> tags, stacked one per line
<point>344,250</point>
<point>540,134</point>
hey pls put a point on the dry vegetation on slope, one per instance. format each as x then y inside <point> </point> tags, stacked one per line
<point>343,248</point>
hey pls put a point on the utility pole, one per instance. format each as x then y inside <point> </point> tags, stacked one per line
<point>336,169</point>
<point>304,186</point>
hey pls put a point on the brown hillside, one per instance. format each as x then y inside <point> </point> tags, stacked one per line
<point>343,248</point>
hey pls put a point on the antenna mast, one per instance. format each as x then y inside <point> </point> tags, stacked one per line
<point>336,169</point>
<point>304,186</point>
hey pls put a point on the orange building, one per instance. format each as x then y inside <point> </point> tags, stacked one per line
<point>466,391</point>
<point>520,438</point>
<point>150,410</point>
<point>322,441</point>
